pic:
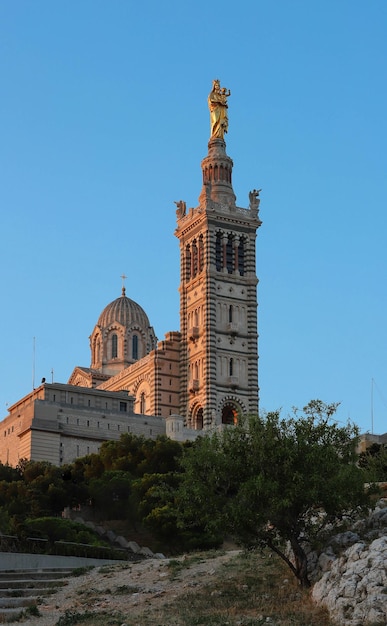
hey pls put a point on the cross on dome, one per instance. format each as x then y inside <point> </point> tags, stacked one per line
<point>123,283</point>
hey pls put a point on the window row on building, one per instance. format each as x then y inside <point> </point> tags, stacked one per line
<point>194,321</point>
<point>231,315</point>
<point>115,350</point>
<point>194,258</point>
<point>217,173</point>
<point>230,251</point>
<point>99,424</point>
<point>232,367</point>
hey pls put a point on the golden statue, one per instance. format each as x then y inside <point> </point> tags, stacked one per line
<point>217,103</point>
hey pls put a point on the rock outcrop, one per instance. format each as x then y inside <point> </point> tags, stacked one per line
<point>352,572</point>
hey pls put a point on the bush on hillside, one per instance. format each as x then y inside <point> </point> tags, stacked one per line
<point>58,529</point>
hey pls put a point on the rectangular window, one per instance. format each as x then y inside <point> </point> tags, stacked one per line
<point>123,407</point>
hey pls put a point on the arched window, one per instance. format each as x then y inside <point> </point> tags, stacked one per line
<point>201,253</point>
<point>229,415</point>
<point>230,255</point>
<point>218,252</point>
<point>114,346</point>
<point>199,420</point>
<point>142,403</point>
<point>188,262</point>
<point>194,259</point>
<point>230,313</point>
<point>135,347</point>
<point>231,367</point>
<point>241,257</point>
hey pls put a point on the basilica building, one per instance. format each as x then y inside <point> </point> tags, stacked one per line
<point>196,379</point>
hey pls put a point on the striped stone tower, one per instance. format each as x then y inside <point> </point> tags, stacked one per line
<point>218,292</point>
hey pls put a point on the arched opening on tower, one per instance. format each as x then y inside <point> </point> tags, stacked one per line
<point>188,262</point>
<point>198,419</point>
<point>218,252</point>
<point>230,254</point>
<point>241,257</point>
<point>229,415</point>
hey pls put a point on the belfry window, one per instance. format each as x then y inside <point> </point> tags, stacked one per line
<point>114,346</point>
<point>230,313</point>
<point>229,254</point>
<point>194,259</point>
<point>231,367</point>
<point>241,257</point>
<point>188,263</point>
<point>201,253</point>
<point>218,252</point>
<point>135,347</point>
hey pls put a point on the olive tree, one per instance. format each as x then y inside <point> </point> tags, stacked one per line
<point>273,481</point>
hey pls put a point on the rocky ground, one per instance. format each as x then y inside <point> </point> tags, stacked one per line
<point>129,589</point>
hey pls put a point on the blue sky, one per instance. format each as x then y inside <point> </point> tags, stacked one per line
<point>103,125</point>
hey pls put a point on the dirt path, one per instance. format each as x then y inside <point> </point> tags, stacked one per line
<point>132,589</point>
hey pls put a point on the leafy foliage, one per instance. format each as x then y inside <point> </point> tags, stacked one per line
<point>58,529</point>
<point>266,481</point>
<point>270,480</point>
<point>374,462</point>
<point>133,478</point>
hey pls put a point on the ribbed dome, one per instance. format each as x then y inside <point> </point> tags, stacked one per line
<point>124,311</point>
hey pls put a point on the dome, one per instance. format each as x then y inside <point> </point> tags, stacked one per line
<point>124,311</point>
<point>121,336</point>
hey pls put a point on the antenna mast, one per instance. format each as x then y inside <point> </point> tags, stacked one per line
<point>33,363</point>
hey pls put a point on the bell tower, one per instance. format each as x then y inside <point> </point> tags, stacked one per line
<point>218,290</point>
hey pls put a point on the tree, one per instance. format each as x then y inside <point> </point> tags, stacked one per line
<point>110,494</point>
<point>272,481</point>
<point>374,462</point>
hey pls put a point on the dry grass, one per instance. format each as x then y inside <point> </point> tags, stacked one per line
<point>249,590</point>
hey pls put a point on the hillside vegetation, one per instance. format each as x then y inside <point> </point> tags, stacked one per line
<point>267,481</point>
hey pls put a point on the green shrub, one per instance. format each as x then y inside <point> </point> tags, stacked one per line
<point>58,529</point>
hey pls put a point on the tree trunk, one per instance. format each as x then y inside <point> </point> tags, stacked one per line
<point>300,562</point>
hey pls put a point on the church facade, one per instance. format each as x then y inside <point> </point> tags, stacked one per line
<point>198,378</point>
